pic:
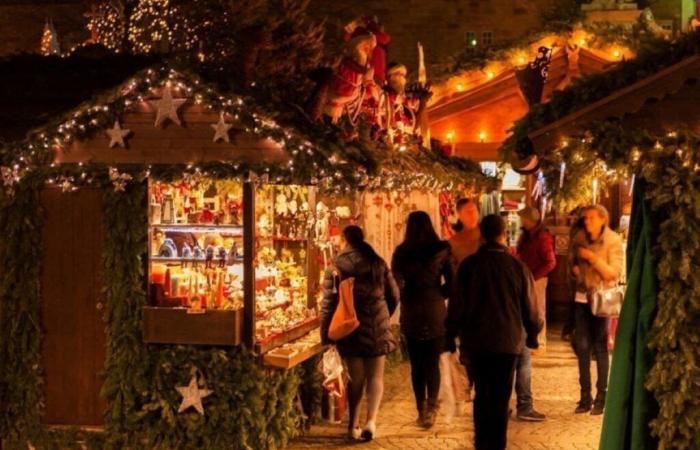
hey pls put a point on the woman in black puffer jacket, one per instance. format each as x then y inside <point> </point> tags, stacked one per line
<point>423,267</point>
<point>375,296</point>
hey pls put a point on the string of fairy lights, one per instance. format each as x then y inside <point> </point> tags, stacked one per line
<point>308,163</point>
<point>576,171</point>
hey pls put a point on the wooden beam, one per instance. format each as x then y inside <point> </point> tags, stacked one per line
<point>249,264</point>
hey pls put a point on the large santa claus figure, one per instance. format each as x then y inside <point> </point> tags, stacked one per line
<point>353,79</point>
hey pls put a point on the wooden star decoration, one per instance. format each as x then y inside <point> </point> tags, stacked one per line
<point>192,396</point>
<point>117,134</point>
<point>221,129</point>
<point>167,107</point>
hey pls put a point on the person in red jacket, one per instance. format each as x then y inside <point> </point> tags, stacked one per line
<point>536,250</point>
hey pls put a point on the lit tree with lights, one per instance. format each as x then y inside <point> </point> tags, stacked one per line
<point>107,25</point>
<point>49,40</point>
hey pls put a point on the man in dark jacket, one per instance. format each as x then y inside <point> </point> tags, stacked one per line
<point>536,250</point>
<point>493,303</point>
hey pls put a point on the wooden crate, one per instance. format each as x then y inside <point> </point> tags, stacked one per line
<point>177,326</point>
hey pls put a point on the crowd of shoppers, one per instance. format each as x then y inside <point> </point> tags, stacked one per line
<point>473,293</point>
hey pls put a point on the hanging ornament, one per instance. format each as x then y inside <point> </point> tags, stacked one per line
<point>118,180</point>
<point>538,189</point>
<point>117,134</point>
<point>192,396</point>
<point>632,185</point>
<point>594,189</point>
<point>221,129</point>
<point>9,175</point>
<point>562,174</point>
<point>167,107</point>
<point>66,184</point>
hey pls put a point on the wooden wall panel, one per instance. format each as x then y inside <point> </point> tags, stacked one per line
<point>73,348</point>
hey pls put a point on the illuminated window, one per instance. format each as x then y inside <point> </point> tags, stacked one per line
<point>471,39</point>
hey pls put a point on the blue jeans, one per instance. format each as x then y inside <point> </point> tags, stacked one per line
<point>523,381</point>
<point>591,339</point>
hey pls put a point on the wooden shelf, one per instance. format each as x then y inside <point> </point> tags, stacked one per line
<point>270,342</point>
<point>179,259</point>
<point>282,360</point>
<point>199,228</point>
<point>178,326</point>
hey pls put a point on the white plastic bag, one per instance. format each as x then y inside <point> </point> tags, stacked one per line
<point>454,385</point>
<point>447,394</point>
<point>332,367</point>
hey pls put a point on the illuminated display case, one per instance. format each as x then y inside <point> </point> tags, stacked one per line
<point>232,262</point>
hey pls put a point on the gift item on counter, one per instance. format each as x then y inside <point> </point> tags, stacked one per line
<point>197,252</point>
<point>223,257</point>
<point>168,249</point>
<point>209,251</point>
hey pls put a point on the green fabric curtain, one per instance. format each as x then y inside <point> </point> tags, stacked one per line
<point>630,407</point>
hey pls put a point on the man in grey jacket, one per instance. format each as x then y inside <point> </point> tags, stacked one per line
<point>493,305</point>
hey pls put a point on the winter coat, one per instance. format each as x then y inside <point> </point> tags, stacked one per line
<point>536,250</point>
<point>493,302</point>
<point>374,305</point>
<point>424,276</point>
<point>608,247</point>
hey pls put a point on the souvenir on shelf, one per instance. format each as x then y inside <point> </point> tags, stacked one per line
<point>284,225</point>
<point>191,227</point>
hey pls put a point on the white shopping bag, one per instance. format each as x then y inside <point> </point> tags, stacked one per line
<point>447,393</point>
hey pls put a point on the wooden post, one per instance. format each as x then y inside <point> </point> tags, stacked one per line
<point>249,264</point>
<point>312,269</point>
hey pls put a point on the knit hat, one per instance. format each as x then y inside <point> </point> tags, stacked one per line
<point>530,213</point>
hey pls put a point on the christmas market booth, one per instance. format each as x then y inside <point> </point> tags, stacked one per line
<point>484,92</point>
<point>640,122</point>
<point>163,250</point>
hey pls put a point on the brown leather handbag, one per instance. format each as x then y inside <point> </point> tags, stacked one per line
<point>344,320</point>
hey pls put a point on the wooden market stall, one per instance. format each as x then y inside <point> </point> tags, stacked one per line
<point>183,236</point>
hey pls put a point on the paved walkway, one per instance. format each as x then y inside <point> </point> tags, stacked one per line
<point>555,388</point>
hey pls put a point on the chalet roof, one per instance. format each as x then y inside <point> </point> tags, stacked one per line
<point>657,90</point>
<point>476,111</point>
<point>65,106</point>
<point>659,104</point>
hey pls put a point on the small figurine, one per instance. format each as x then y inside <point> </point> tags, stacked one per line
<point>206,216</point>
<point>222,257</point>
<point>197,252</point>
<point>168,249</point>
<point>186,254</point>
<point>209,256</point>
<point>233,254</point>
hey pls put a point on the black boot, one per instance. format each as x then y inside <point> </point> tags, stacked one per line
<point>599,404</point>
<point>422,411</point>
<point>584,405</point>
<point>430,415</point>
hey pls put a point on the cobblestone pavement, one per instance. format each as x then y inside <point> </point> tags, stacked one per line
<point>555,388</point>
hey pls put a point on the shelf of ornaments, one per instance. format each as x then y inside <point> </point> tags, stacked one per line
<point>238,261</point>
<point>228,230</point>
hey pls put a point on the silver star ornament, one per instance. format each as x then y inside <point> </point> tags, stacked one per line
<point>221,129</point>
<point>167,107</point>
<point>192,396</point>
<point>117,134</point>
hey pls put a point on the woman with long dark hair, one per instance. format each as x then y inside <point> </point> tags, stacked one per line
<point>375,297</point>
<point>423,267</point>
